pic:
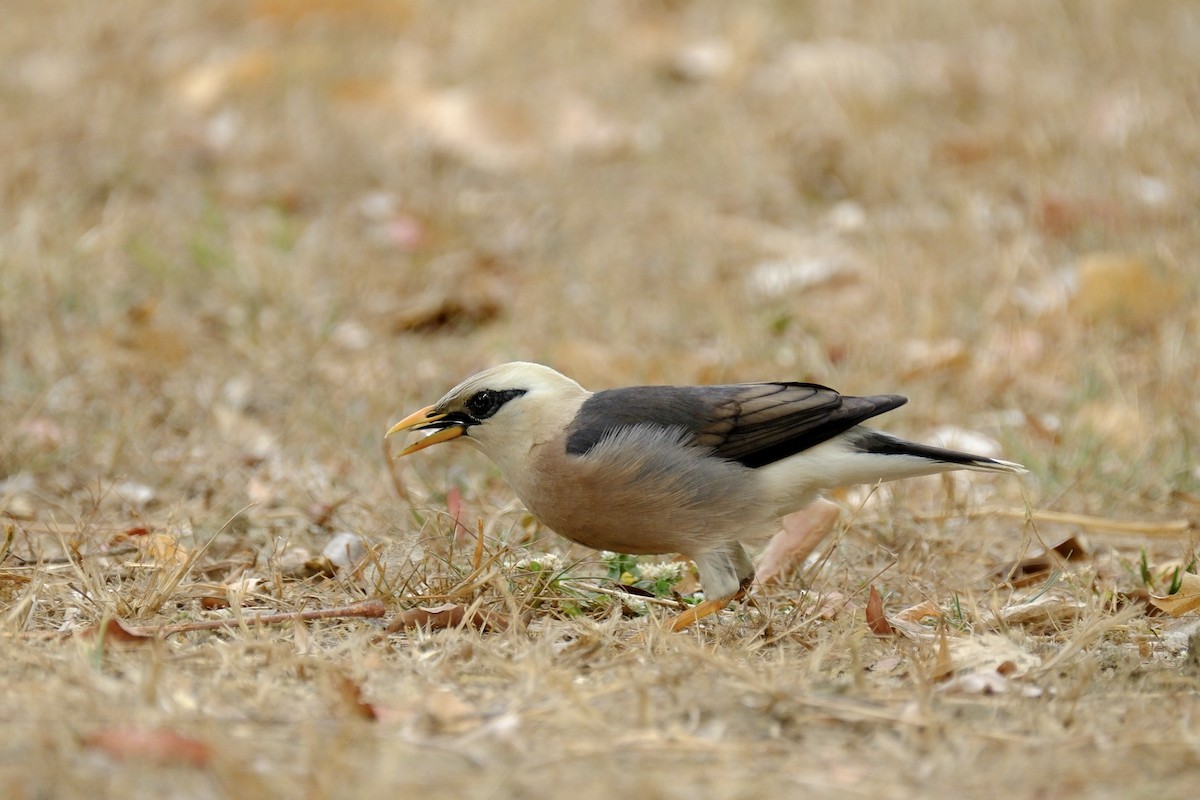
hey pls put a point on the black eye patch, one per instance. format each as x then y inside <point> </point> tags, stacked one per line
<point>487,402</point>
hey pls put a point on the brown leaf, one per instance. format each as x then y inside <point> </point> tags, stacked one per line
<point>802,532</point>
<point>351,694</point>
<point>991,652</point>
<point>1183,601</point>
<point>1050,611</point>
<point>437,311</point>
<point>1072,549</point>
<point>164,550</point>
<point>876,621</point>
<point>114,631</point>
<point>944,666</point>
<point>920,611</point>
<point>447,615</point>
<point>160,745</point>
<point>1037,567</point>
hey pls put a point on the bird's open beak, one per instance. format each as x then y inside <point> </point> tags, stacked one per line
<point>444,429</point>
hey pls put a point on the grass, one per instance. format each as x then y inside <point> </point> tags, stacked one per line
<point>238,241</point>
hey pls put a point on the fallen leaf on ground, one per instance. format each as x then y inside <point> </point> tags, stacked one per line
<point>992,652</point>
<point>447,615</point>
<point>160,745</point>
<point>920,611</point>
<point>1036,567</point>
<point>436,311</point>
<point>876,621</point>
<point>163,549</point>
<point>802,532</point>
<point>350,692</point>
<point>1185,600</point>
<point>1047,612</point>
<point>114,631</point>
<point>943,667</point>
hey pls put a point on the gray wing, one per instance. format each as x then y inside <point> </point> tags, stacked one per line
<point>754,424</point>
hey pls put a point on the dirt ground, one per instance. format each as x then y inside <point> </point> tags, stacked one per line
<point>238,240</point>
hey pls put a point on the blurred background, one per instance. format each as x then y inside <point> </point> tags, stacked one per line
<point>239,239</point>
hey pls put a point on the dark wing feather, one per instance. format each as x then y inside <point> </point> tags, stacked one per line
<point>752,423</point>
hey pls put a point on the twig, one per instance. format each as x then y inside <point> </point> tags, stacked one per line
<point>1172,527</point>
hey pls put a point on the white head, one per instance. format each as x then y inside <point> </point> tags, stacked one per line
<point>503,411</point>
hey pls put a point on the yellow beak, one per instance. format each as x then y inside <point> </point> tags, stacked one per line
<point>424,417</point>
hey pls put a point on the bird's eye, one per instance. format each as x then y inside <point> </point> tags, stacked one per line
<point>483,404</point>
<point>487,402</point>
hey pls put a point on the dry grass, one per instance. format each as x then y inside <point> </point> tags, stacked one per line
<point>237,240</point>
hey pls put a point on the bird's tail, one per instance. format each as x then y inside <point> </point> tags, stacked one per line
<point>881,444</point>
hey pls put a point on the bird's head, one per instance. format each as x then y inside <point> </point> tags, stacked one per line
<point>503,411</point>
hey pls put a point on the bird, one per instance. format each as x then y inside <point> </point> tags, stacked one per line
<point>693,470</point>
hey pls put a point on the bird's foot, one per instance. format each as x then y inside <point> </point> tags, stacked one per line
<point>704,609</point>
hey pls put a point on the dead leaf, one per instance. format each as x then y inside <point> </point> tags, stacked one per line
<point>876,621</point>
<point>437,311</point>
<point>114,631</point>
<point>1185,600</point>
<point>447,615</point>
<point>832,605</point>
<point>992,652</point>
<point>1047,612</point>
<point>350,692</point>
<point>920,611</point>
<point>164,550</point>
<point>943,667</point>
<point>885,665</point>
<point>1072,549</point>
<point>159,745</point>
<point>802,532</point>
<point>1037,567</point>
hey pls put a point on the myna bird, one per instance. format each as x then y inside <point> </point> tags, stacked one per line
<point>693,470</point>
